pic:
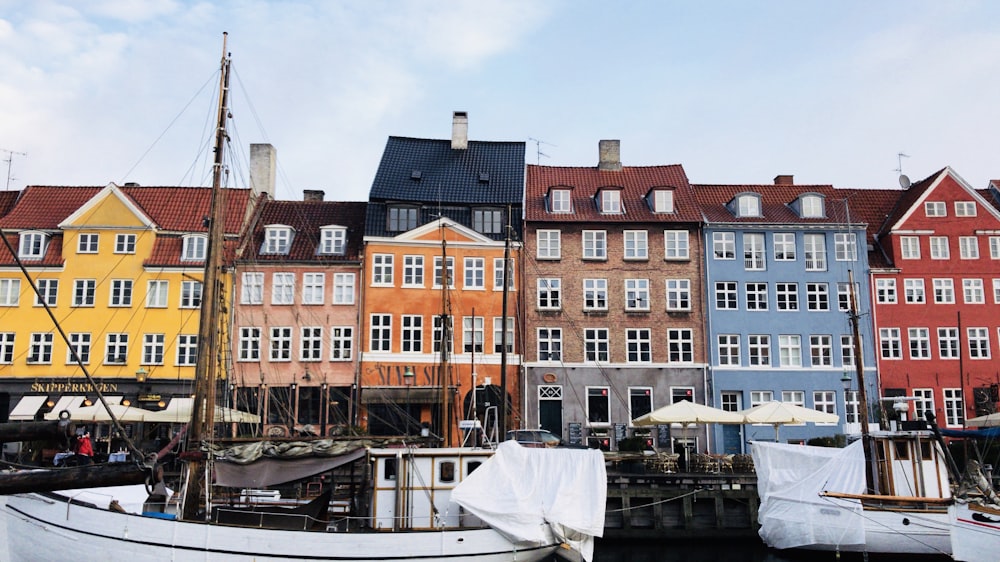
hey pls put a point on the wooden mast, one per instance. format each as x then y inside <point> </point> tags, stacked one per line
<point>445,341</point>
<point>871,472</point>
<point>206,368</point>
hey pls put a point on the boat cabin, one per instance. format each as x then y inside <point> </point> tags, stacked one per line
<point>910,464</point>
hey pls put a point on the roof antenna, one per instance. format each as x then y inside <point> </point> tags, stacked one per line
<point>904,181</point>
<point>9,160</point>
<point>538,151</point>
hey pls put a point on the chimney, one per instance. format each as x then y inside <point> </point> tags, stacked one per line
<point>263,168</point>
<point>460,130</point>
<point>313,194</point>
<point>610,154</point>
<point>786,179</point>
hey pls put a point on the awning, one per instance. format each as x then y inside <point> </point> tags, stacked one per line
<point>179,411</point>
<point>398,395</point>
<point>66,403</point>
<point>27,407</point>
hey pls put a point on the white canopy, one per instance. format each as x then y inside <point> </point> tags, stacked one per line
<point>177,411</point>
<point>989,420</point>
<point>778,413</point>
<point>686,412</point>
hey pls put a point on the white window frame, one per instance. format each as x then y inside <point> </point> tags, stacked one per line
<point>279,344</point>
<point>473,334</point>
<point>474,272</point>
<point>125,243</point>
<point>815,251</point>
<point>949,346</point>
<point>729,349</point>
<point>979,342</point>
<point>786,296</point>
<point>754,252</point>
<point>549,344</point>
<point>32,245</point>
<point>341,343</point>
<point>944,291</point>
<point>935,209</point>
<point>845,246</point>
<point>40,348</point>
<point>449,272</point>
<point>187,350</point>
<point>890,343</point>
<point>724,245</point>
<point>759,350</point>
<point>413,271</point>
<point>595,244</point>
<point>382,270</point>
<point>81,343</point>
<point>968,247</point>
<point>727,294</point>
<point>678,294</point>
<point>117,343</point>
<point>680,345</point>
<point>909,247</point>
<point>277,240</point>
<point>10,292</point>
<point>282,288</point>
<point>194,247</point>
<point>789,350</point>
<point>756,296</point>
<point>311,343</point>
<point>885,291</point>
<point>560,201</point>
<point>498,274</point>
<point>88,243</point>
<point>549,293</point>
<point>914,292</point>
<point>965,208</point>
<point>333,241</point>
<point>313,287</point>
<point>638,345</point>
<point>153,349</point>
<point>611,202</point>
<point>121,293</point>
<point>380,333</point>
<point>636,244</point>
<point>498,335</point>
<point>939,248</point>
<point>954,407</point>
<point>596,345</point>
<point>676,245</point>
<point>549,244</point>
<point>249,343</point>
<point>817,297</point>
<point>343,288</point>
<point>191,293</point>
<point>252,288</point>
<point>48,292</point>
<point>920,343</point>
<point>784,246</point>
<point>663,201</point>
<point>157,293</point>
<point>595,294</point>
<point>973,292</point>
<point>637,295</point>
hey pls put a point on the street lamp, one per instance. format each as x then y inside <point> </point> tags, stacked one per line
<point>141,374</point>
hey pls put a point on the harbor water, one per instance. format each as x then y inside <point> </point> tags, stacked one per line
<point>727,551</point>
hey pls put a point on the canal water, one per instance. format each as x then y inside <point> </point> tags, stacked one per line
<point>708,550</point>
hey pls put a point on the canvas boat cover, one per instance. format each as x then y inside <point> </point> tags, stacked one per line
<point>520,489</point>
<point>790,480</point>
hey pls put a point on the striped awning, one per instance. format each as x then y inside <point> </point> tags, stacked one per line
<point>27,407</point>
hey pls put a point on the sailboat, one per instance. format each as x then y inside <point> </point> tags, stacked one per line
<point>463,504</point>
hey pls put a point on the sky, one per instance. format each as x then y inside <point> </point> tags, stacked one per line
<point>737,92</point>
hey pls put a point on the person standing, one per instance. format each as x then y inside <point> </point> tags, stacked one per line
<point>85,448</point>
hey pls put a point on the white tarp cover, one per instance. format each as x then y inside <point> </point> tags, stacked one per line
<point>519,489</point>
<point>790,479</point>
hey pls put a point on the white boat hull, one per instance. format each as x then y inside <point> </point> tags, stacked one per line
<point>975,532</point>
<point>47,527</point>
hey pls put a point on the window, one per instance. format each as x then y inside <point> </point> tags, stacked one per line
<point>920,343</point>
<point>790,350</point>
<point>281,344</point>
<point>756,296</point>
<point>48,292</point>
<point>724,245</point>
<point>637,294</point>
<point>116,349</point>
<point>6,347</point>
<point>343,288</point>
<point>611,201</point>
<point>311,343</point>
<point>748,206</point>
<point>283,288</point>
<point>596,345</point>
<point>249,344</point>
<point>333,241</point>
<point>817,296</point>
<point>32,245</point>
<point>851,406</point>
<point>152,349</point>
<point>935,209</point>
<point>381,332</point>
<point>845,246</point>
<point>413,271</point>
<point>753,251</point>
<point>437,335</point>
<point>638,345</point>
<point>191,294</point>
<point>595,294</point>
<point>549,344</point>
<point>680,345</point>
<point>954,406</point>
<point>498,335</point>
<point>909,247</point>
<point>812,207</point>
<point>844,295</point>
<point>40,351</point>
<point>401,219</point>
<point>412,334</point>
<point>979,343</point>
<point>277,240</point>
<point>729,349</point>
<point>156,294</point>
<point>549,293</point>
<point>996,291</point>
<point>473,334</point>
<point>913,290</point>
<point>825,401</point>
<point>678,294</point>
<point>595,245</point>
<point>787,296</point>
<point>663,201</point>
<point>475,273</point>
<point>759,350</point>
<point>847,350</point>
<point>598,405</point>
<point>890,343</point>
<point>995,247</point>
<point>676,245</point>
<point>948,343</point>
<point>549,247</point>
<point>821,350</point>
<point>79,343</point>
<point>972,289</point>
<point>965,208</point>
<point>193,247</point>
<point>758,397</point>
<point>784,246</point>
<point>487,221</point>
<point>725,295</point>
<point>559,201</point>
<point>187,350</point>
<point>939,248</point>
<point>924,401</point>
<point>121,292</point>
<point>87,244</point>
<point>815,252</point>
<point>252,288</point>
<point>382,270</point>
<point>944,291</point>
<point>10,292</point>
<point>450,273</point>
<point>83,292</point>
<point>341,343</point>
<point>313,288</point>
<point>498,274</point>
<point>968,247</point>
<point>125,243</point>
<point>796,397</point>
<point>885,291</point>
<point>636,245</point>
<point>640,401</point>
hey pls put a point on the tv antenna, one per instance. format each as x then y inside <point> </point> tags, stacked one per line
<point>9,160</point>
<point>538,149</point>
<point>904,180</point>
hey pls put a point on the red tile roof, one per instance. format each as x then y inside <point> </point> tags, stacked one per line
<point>7,200</point>
<point>307,218</point>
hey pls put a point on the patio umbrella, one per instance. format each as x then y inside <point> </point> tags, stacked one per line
<point>989,420</point>
<point>687,413</point>
<point>779,413</point>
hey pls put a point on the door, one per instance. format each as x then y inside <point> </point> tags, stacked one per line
<point>550,409</point>
<point>732,435</point>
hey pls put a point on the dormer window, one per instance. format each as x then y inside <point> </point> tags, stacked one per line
<point>559,201</point>
<point>33,245</point>
<point>487,221</point>
<point>663,200</point>
<point>333,240</point>
<point>401,219</point>
<point>193,247</point>
<point>610,201</point>
<point>748,205</point>
<point>277,239</point>
<point>811,207</point>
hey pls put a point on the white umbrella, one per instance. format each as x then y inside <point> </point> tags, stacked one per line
<point>686,413</point>
<point>989,420</point>
<point>778,413</point>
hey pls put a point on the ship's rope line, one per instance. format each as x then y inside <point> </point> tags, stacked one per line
<point>659,502</point>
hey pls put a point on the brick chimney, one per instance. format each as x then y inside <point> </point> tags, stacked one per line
<point>263,168</point>
<point>610,155</point>
<point>787,179</point>
<point>459,130</point>
<point>313,194</point>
